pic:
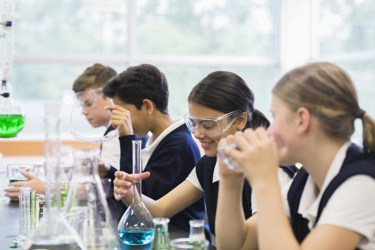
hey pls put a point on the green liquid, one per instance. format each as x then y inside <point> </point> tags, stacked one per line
<point>18,179</point>
<point>10,125</point>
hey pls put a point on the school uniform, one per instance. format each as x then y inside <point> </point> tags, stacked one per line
<point>346,199</point>
<point>170,158</point>
<point>205,176</point>
<point>110,150</point>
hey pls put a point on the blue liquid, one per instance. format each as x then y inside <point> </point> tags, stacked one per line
<point>136,237</point>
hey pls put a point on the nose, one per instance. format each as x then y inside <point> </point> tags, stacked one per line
<point>198,134</point>
<point>85,110</point>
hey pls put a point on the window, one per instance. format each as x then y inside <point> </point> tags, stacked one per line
<point>186,39</point>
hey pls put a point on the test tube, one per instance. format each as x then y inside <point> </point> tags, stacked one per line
<point>21,237</point>
<point>32,209</point>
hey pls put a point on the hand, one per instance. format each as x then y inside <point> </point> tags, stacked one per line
<point>123,182</point>
<point>120,120</point>
<point>225,173</point>
<point>256,155</point>
<point>34,183</point>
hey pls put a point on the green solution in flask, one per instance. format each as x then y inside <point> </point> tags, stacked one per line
<point>12,115</point>
<point>136,226</point>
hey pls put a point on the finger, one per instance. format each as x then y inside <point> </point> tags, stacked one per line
<point>251,136</point>
<point>222,142</point>
<point>12,189</point>
<point>28,175</point>
<point>262,134</point>
<point>111,107</point>
<point>240,140</point>
<point>12,195</point>
<point>121,183</point>
<point>120,175</point>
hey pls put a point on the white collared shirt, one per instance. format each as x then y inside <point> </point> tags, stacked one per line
<point>152,143</point>
<point>351,206</point>
<point>193,179</point>
<point>110,152</point>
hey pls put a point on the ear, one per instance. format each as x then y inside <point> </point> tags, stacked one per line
<point>303,121</point>
<point>241,121</point>
<point>148,105</point>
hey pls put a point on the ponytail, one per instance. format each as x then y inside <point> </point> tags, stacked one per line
<point>368,134</point>
<point>257,119</point>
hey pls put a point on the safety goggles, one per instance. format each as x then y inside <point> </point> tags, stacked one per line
<point>88,98</point>
<point>211,127</point>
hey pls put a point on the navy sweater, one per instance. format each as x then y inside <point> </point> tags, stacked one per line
<point>355,163</point>
<point>205,170</point>
<point>169,165</point>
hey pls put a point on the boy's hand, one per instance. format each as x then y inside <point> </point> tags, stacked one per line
<point>34,183</point>
<point>120,119</point>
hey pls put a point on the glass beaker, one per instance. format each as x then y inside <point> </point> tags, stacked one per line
<point>229,162</point>
<point>185,243</point>
<point>86,206</point>
<point>53,231</point>
<point>136,226</point>
<point>161,239</point>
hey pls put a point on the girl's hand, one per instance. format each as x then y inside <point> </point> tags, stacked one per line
<point>225,173</point>
<point>120,120</point>
<point>256,154</point>
<point>123,182</point>
<point>34,183</point>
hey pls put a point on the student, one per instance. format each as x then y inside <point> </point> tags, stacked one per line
<point>140,96</point>
<point>330,203</point>
<point>219,105</point>
<point>87,87</point>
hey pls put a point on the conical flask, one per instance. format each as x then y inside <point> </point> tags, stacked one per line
<point>161,239</point>
<point>53,231</point>
<point>136,226</point>
<point>86,206</point>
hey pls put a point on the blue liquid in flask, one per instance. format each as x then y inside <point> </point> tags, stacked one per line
<point>136,237</point>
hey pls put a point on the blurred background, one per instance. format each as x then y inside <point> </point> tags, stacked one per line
<point>55,41</point>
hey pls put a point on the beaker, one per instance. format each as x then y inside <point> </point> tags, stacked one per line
<point>136,226</point>
<point>185,243</point>
<point>86,206</point>
<point>53,231</point>
<point>161,239</point>
<point>229,162</point>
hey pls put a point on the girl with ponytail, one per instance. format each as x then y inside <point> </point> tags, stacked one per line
<point>219,105</point>
<point>330,202</point>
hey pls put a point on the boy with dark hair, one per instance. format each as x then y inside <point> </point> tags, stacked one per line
<point>140,96</point>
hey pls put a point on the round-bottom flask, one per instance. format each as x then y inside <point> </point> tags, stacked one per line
<point>12,114</point>
<point>136,226</point>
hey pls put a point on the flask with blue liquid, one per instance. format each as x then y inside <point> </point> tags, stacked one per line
<point>136,226</point>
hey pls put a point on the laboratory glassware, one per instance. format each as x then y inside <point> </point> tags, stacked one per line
<point>136,226</point>
<point>197,239</point>
<point>161,238</point>
<point>14,172</point>
<point>22,216</point>
<point>229,162</point>
<point>53,231</point>
<point>86,206</point>
<point>12,114</point>
<point>4,180</point>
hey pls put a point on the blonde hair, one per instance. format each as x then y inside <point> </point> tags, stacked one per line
<point>95,76</point>
<point>327,91</point>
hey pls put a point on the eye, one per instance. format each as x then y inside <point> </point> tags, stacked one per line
<point>88,103</point>
<point>209,125</point>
